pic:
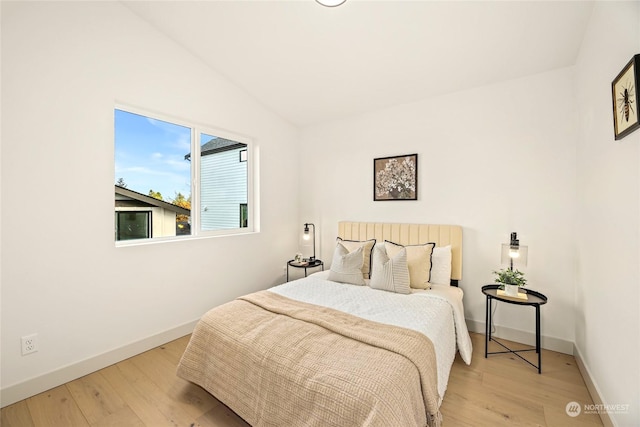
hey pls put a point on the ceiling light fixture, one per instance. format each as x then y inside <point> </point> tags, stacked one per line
<point>331,3</point>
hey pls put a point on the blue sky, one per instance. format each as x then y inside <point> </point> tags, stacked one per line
<point>149,154</point>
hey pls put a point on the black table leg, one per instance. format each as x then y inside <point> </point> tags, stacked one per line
<point>538,339</point>
<point>487,320</point>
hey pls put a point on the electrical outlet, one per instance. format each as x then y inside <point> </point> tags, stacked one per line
<point>29,344</point>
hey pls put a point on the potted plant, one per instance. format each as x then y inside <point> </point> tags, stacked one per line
<point>511,280</point>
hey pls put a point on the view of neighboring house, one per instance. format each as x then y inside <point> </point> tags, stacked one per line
<point>223,178</point>
<point>138,216</point>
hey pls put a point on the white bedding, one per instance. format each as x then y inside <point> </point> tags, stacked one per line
<point>437,313</point>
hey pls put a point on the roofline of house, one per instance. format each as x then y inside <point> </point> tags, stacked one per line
<point>218,150</point>
<point>151,200</point>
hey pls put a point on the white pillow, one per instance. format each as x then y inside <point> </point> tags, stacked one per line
<point>390,274</point>
<point>441,266</point>
<point>346,267</point>
<point>418,260</point>
<point>366,245</point>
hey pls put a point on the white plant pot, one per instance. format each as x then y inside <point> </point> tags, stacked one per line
<point>511,290</point>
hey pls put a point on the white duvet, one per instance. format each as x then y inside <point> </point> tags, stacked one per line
<point>437,313</point>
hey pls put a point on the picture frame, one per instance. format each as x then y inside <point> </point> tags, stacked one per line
<point>395,178</point>
<point>624,92</point>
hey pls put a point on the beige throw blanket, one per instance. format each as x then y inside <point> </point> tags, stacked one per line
<point>281,362</point>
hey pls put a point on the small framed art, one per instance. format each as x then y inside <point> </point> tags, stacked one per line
<point>624,89</point>
<point>395,178</point>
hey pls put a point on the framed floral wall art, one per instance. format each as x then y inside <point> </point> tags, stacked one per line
<point>625,91</point>
<point>395,178</point>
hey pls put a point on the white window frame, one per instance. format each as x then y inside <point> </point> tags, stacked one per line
<point>196,131</point>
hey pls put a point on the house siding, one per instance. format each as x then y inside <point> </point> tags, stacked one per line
<point>223,181</point>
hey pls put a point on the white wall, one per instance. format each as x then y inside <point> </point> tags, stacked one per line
<point>64,66</point>
<point>608,231</point>
<point>496,159</point>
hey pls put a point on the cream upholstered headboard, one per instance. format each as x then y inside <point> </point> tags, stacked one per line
<point>409,234</point>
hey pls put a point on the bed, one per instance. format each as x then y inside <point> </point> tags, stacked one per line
<point>323,351</point>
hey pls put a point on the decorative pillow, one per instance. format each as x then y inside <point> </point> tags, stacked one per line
<point>390,274</point>
<point>346,267</point>
<point>418,260</point>
<point>366,245</point>
<point>441,266</point>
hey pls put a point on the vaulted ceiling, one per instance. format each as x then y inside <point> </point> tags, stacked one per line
<point>311,64</point>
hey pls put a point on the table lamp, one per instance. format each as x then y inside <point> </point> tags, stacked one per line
<point>307,236</point>
<point>514,253</point>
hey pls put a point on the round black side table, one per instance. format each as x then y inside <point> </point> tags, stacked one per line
<point>534,299</point>
<point>305,265</point>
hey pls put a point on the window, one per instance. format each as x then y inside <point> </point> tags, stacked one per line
<point>155,171</point>
<point>244,217</point>
<point>223,182</point>
<point>133,225</point>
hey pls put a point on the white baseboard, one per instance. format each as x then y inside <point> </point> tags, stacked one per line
<point>529,338</point>
<point>41,383</point>
<point>592,387</point>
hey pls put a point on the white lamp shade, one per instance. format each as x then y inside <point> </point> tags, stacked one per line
<point>517,254</point>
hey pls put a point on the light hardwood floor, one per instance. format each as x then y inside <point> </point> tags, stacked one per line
<point>144,391</point>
